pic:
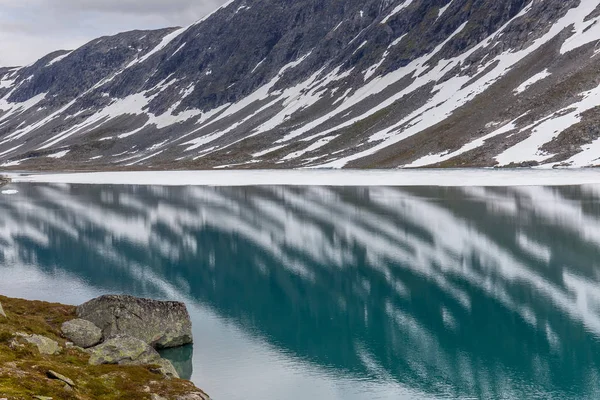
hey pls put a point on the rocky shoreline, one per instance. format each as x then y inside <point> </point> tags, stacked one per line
<point>103,349</point>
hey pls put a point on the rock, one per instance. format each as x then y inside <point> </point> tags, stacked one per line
<point>193,396</point>
<point>14,344</point>
<point>161,324</point>
<point>166,368</point>
<point>71,345</point>
<point>187,396</point>
<point>127,350</point>
<point>45,346</point>
<point>55,375</point>
<point>124,350</point>
<point>2,313</point>
<point>42,397</point>
<point>82,333</point>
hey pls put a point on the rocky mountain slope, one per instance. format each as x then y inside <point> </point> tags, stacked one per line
<point>320,83</point>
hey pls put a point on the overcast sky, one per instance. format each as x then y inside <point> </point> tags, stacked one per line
<point>30,29</point>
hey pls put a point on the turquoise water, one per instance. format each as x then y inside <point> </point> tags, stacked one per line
<point>336,293</point>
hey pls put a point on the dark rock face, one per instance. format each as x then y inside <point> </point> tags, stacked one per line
<point>79,70</point>
<point>161,324</point>
<point>82,333</point>
<point>335,83</point>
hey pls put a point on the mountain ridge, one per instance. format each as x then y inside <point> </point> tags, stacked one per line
<point>330,84</point>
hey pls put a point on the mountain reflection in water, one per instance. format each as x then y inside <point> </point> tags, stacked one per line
<point>360,293</point>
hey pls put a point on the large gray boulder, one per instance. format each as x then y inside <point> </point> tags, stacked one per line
<point>82,333</point>
<point>161,324</point>
<point>127,350</point>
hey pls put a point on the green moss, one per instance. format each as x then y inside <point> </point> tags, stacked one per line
<point>5,336</point>
<point>23,370</point>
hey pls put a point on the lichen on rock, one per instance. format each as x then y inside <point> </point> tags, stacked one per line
<point>26,373</point>
<point>161,324</point>
<point>82,333</point>
<point>44,345</point>
<point>127,350</point>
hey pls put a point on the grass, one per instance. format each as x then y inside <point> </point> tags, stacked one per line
<point>23,370</point>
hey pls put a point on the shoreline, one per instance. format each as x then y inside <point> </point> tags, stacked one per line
<point>319,177</point>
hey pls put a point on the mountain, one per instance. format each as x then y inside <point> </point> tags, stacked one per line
<point>320,83</point>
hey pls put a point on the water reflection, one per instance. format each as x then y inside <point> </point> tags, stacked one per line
<point>181,357</point>
<point>437,292</point>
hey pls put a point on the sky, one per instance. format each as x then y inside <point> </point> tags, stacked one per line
<point>30,29</point>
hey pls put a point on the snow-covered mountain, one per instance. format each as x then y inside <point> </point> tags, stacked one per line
<point>320,83</point>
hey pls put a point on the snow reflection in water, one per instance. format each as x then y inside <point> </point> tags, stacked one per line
<point>336,293</point>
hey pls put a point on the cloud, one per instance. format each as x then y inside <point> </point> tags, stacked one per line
<point>30,29</point>
<point>175,7</point>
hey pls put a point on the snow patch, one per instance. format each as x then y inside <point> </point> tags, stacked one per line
<point>316,145</point>
<point>164,43</point>
<point>267,151</point>
<point>224,6</point>
<point>397,41</point>
<point>178,49</point>
<point>258,65</point>
<point>57,59</point>
<point>548,129</point>
<point>443,9</point>
<point>60,154</point>
<point>534,79</point>
<point>363,44</point>
<point>444,156</point>
<point>583,32</point>
<point>396,10</point>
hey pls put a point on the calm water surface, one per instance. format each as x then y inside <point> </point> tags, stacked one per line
<point>335,293</point>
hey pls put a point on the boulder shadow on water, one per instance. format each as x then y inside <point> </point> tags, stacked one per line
<point>181,358</point>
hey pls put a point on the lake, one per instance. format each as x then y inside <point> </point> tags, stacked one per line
<point>350,293</point>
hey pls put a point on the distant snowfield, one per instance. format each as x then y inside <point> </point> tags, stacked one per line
<point>428,177</point>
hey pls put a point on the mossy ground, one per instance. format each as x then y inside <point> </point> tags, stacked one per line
<point>23,370</point>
